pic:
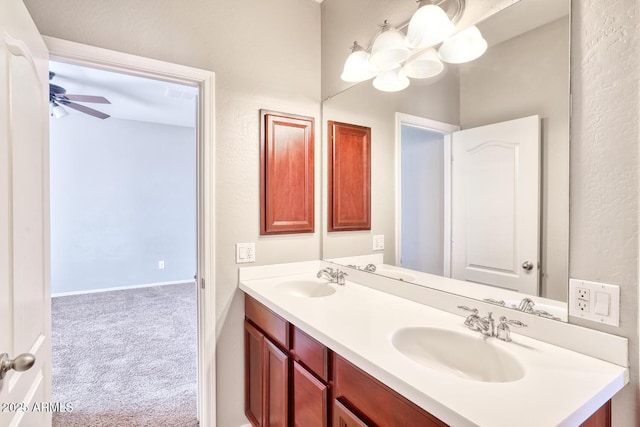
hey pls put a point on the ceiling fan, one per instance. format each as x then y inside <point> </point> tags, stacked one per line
<point>58,98</point>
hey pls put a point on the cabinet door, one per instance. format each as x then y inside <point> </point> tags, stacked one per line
<point>349,177</point>
<point>343,417</point>
<point>253,374</point>
<point>309,399</point>
<point>276,386</point>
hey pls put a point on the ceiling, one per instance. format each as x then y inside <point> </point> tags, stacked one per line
<point>131,97</point>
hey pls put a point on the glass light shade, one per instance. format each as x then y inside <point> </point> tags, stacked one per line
<point>357,67</point>
<point>429,26</point>
<point>391,80</point>
<point>58,112</point>
<point>465,46</point>
<point>424,65</point>
<point>388,49</point>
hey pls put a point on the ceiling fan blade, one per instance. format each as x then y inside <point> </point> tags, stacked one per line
<point>88,98</point>
<point>86,110</point>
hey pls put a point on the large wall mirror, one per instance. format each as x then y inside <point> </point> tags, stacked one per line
<point>499,227</point>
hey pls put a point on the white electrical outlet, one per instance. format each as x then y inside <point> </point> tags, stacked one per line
<point>599,302</point>
<point>378,242</point>
<point>245,252</point>
<point>161,265</point>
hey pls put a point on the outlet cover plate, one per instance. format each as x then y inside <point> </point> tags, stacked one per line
<point>582,301</point>
<point>245,252</point>
<point>378,242</point>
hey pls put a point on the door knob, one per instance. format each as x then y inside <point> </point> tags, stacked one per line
<point>20,363</point>
<point>527,265</point>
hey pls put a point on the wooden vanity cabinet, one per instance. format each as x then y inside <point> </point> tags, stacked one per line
<point>286,372</point>
<point>267,366</point>
<point>293,380</point>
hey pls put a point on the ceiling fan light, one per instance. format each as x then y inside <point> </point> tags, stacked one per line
<point>388,49</point>
<point>424,65</point>
<point>429,26</point>
<point>357,67</point>
<point>58,111</point>
<point>464,46</point>
<point>393,80</point>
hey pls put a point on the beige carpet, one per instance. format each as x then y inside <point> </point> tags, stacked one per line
<point>126,358</point>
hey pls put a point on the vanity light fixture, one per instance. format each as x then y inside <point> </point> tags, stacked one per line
<point>357,67</point>
<point>464,46</point>
<point>393,58</point>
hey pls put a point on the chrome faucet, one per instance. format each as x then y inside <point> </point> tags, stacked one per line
<point>334,276</point>
<point>371,268</point>
<point>486,325</point>
<point>526,305</point>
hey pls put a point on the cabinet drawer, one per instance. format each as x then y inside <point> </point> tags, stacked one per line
<point>270,323</point>
<point>382,406</point>
<point>310,353</point>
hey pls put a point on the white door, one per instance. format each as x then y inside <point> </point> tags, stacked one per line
<point>496,204</point>
<point>25,320</point>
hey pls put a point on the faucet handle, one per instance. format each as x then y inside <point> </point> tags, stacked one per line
<point>465,308</point>
<point>494,301</point>
<point>503,332</point>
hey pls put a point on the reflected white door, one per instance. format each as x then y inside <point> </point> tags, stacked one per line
<point>25,320</point>
<point>496,204</point>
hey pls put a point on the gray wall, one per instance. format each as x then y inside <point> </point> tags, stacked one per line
<point>122,199</point>
<point>266,54</point>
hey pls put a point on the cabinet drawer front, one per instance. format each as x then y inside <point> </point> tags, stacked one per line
<point>271,324</point>
<point>310,353</point>
<point>309,399</point>
<point>382,406</point>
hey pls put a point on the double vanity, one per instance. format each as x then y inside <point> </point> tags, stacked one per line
<point>322,353</point>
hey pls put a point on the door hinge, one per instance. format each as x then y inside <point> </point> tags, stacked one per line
<point>202,282</point>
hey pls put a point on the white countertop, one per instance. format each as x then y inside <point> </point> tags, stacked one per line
<point>560,387</point>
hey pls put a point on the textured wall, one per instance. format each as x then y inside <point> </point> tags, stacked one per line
<point>604,165</point>
<point>265,55</point>
<point>123,197</point>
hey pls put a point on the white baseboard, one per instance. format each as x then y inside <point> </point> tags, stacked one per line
<point>120,288</point>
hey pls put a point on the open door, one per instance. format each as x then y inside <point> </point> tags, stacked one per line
<point>496,205</point>
<point>25,304</point>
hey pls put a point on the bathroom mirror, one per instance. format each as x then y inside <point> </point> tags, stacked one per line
<point>524,73</point>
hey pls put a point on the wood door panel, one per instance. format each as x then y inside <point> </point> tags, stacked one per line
<point>309,399</point>
<point>276,386</point>
<point>343,417</point>
<point>253,374</point>
<point>349,177</point>
<point>287,173</point>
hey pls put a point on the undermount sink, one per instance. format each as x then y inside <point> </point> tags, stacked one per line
<point>307,288</point>
<point>467,356</point>
<point>396,274</point>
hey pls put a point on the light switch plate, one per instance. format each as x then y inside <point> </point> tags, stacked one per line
<point>378,242</point>
<point>599,302</point>
<point>245,252</point>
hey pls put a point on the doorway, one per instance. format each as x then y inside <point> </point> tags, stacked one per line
<point>423,153</point>
<point>123,247</point>
<point>204,81</point>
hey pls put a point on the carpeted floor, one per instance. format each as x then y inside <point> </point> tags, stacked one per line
<point>126,358</point>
